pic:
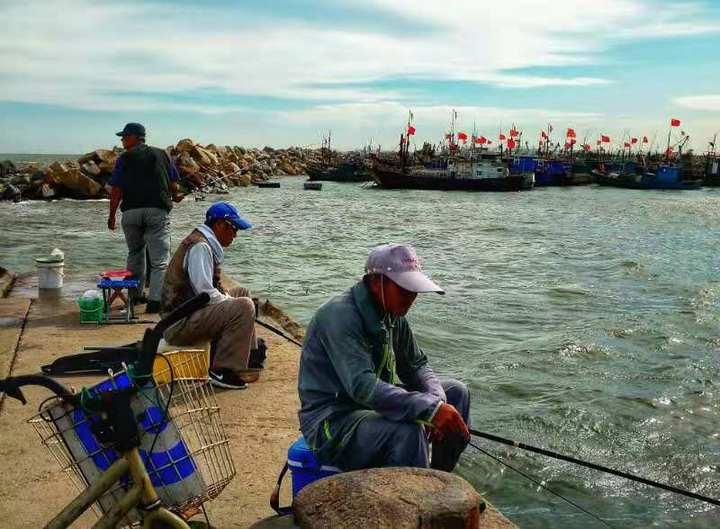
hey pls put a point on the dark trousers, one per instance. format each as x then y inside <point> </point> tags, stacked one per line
<point>379,442</point>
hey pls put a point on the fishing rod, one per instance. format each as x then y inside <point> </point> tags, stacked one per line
<point>541,485</point>
<point>595,466</point>
<point>278,332</point>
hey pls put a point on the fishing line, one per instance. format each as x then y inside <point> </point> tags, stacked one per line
<point>543,486</point>
<point>595,466</point>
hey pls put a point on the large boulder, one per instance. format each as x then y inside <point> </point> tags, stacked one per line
<point>390,498</point>
<point>73,180</point>
<point>185,145</point>
<point>203,157</point>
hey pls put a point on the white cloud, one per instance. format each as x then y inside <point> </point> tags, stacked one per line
<point>127,57</point>
<point>80,53</point>
<point>709,102</point>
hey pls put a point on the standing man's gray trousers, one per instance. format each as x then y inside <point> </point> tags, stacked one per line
<point>378,442</point>
<point>148,229</point>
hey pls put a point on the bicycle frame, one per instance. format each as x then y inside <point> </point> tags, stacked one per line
<point>142,494</point>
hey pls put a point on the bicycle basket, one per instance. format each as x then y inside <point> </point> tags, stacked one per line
<point>190,462</point>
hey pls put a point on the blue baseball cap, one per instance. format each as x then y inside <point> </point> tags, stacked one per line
<point>226,211</point>
<point>132,129</point>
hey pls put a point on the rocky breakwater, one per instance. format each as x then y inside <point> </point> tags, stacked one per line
<point>211,168</point>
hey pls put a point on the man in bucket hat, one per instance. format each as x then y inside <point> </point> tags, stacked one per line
<point>368,397</point>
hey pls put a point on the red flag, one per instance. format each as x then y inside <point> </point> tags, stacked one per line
<point>605,139</point>
<point>502,137</point>
<point>482,140</point>
<point>645,140</point>
<point>598,142</point>
<point>572,141</point>
<point>567,145</point>
<point>674,122</point>
<point>633,140</point>
<point>627,145</point>
<point>586,147</point>
<point>668,152</point>
<point>514,132</point>
<point>411,130</point>
<point>570,133</point>
<point>462,136</point>
<point>511,143</point>
<point>543,134</point>
<point>489,142</point>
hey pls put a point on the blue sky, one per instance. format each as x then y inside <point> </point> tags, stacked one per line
<point>284,72</point>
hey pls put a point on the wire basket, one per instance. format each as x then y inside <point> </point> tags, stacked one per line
<point>187,456</point>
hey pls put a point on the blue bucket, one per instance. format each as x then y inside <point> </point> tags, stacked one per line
<point>304,466</point>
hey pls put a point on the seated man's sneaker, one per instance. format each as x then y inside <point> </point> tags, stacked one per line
<point>226,378</point>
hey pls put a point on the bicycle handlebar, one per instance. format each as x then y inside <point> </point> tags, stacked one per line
<point>11,386</point>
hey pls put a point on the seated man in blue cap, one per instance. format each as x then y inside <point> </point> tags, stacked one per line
<point>368,397</point>
<point>229,320</point>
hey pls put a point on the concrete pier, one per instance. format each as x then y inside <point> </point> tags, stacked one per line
<point>261,421</point>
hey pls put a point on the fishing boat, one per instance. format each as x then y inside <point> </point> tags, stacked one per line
<point>712,171</point>
<point>665,176</point>
<point>450,174</point>
<point>524,166</point>
<point>346,171</point>
<point>552,172</point>
<point>335,167</point>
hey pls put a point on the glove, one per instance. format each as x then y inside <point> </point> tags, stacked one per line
<point>448,422</point>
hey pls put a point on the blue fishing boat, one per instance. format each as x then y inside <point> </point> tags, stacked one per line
<point>553,173</point>
<point>665,176</point>
<point>524,166</point>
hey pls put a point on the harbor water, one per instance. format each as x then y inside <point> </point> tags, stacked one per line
<point>585,320</point>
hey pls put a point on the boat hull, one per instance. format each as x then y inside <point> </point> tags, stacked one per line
<point>389,179</point>
<point>632,183</point>
<point>340,173</point>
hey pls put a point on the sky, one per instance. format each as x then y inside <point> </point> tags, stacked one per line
<point>284,72</point>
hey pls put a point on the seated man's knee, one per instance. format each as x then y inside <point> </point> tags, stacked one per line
<point>455,390</point>
<point>244,307</point>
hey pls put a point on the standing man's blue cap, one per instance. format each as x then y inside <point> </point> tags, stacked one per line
<point>226,211</point>
<point>132,129</point>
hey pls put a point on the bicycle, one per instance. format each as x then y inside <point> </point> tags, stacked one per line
<point>105,437</point>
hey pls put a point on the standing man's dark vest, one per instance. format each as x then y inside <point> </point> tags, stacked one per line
<point>146,179</point>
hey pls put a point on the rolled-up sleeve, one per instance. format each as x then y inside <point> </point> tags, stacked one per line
<point>348,352</point>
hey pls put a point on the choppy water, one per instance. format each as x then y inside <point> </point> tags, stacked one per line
<point>584,320</point>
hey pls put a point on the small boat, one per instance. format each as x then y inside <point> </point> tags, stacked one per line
<point>663,177</point>
<point>268,184</point>
<point>313,186</point>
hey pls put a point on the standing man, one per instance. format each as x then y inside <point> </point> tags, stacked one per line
<point>144,185</point>
<point>368,397</point>
<point>229,319</point>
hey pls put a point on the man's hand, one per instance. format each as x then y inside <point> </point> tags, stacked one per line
<point>178,197</point>
<point>448,421</point>
<point>111,223</point>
